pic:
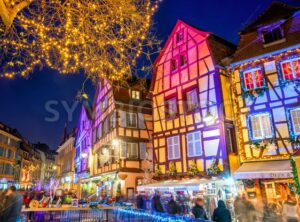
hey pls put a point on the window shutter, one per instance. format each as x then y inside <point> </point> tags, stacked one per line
<point>170,148</point>
<point>123,118</point>
<point>176,147</point>
<point>99,131</point>
<point>190,145</point>
<point>123,150</point>
<point>143,150</point>
<point>198,146</point>
<point>113,119</point>
<point>141,121</point>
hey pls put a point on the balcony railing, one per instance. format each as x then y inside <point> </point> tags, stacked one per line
<point>104,214</point>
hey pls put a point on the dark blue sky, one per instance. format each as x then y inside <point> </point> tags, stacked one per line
<point>23,101</point>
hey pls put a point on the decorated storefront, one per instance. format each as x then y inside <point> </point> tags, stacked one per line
<point>269,181</point>
<point>185,191</point>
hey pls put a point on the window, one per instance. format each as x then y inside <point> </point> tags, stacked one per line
<point>171,107</point>
<point>103,104</point>
<point>173,148</point>
<point>131,120</point>
<point>183,60</point>
<point>295,118</point>
<point>194,144</point>
<point>191,100</point>
<point>2,151</point>
<point>179,36</point>
<point>272,35</point>
<point>230,140</point>
<point>132,150</point>
<point>261,126</point>
<point>291,69</point>
<point>253,79</point>
<point>173,64</point>
<point>135,94</point>
<point>105,126</point>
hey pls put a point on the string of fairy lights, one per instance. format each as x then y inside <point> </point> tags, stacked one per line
<point>102,37</point>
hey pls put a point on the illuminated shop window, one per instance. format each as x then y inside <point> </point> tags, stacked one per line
<point>291,69</point>
<point>253,78</point>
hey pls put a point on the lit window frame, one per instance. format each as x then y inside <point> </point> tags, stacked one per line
<point>289,60</point>
<point>250,127</point>
<point>244,84</point>
<point>291,123</point>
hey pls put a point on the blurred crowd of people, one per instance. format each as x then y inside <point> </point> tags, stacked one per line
<point>244,210</point>
<point>10,205</point>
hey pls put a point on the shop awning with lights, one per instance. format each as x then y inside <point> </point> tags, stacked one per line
<point>177,185</point>
<point>278,169</point>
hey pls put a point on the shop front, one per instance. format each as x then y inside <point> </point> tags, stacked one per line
<point>266,181</point>
<point>185,191</point>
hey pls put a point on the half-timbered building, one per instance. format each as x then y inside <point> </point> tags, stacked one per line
<point>122,132</point>
<point>83,144</point>
<point>266,75</point>
<point>193,125</point>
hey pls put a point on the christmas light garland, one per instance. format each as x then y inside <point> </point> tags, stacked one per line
<point>102,37</point>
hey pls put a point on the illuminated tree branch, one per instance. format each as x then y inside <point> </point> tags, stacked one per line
<point>102,37</point>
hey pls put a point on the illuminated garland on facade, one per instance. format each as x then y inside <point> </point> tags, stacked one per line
<point>103,38</point>
<point>296,178</point>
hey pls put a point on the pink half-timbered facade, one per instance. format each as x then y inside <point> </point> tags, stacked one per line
<point>192,115</point>
<point>266,77</point>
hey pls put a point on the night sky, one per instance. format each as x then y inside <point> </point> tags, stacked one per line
<point>23,101</point>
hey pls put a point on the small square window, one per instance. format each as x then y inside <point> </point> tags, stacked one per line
<point>171,108</point>
<point>183,59</point>
<point>272,35</point>
<point>295,119</point>
<point>179,36</point>
<point>173,64</point>
<point>253,78</point>
<point>261,126</point>
<point>191,100</point>
<point>290,69</point>
<point>136,94</point>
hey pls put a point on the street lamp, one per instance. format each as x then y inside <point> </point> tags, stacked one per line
<point>84,155</point>
<point>209,116</point>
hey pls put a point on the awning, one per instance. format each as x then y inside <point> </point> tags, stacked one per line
<point>265,170</point>
<point>177,185</point>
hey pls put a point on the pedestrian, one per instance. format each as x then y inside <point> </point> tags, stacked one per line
<point>13,206</point>
<point>173,207</point>
<point>198,210</point>
<point>290,210</point>
<point>250,212</point>
<point>271,213</point>
<point>156,203</point>
<point>26,200</point>
<point>139,201</point>
<point>239,209</point>
<point>221,213</point>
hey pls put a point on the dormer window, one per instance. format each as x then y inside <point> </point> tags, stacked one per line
<point>135,95</point>
<point>272,34</point>
<point>173,64</point>
<point>179,36</point>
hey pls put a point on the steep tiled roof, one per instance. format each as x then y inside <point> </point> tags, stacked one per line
<point>10,130</point>
<point>277,10</point>
<point>251,43</point>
